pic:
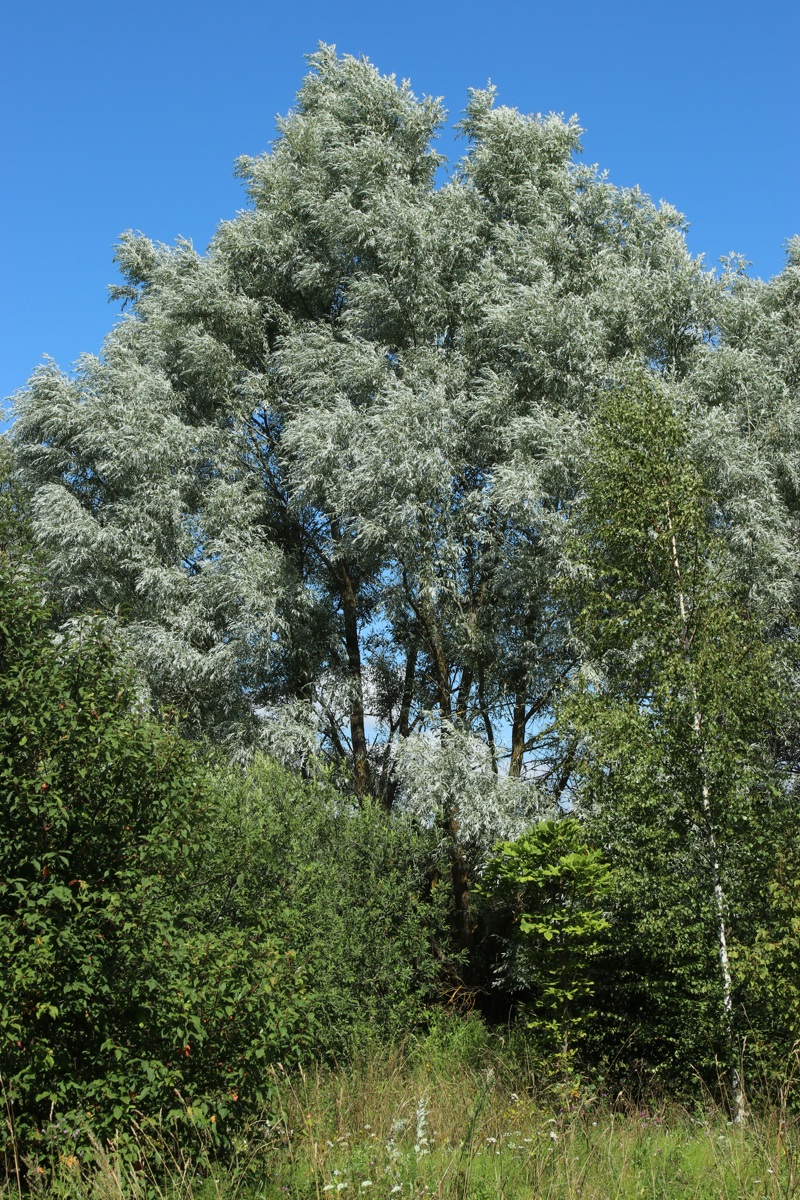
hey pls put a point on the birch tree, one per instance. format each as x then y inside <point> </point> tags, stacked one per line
<point>677,704</point>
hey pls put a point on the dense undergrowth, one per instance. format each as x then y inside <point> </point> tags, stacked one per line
<point>458,1114</point>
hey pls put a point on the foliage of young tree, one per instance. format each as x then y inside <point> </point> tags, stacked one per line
<point>556,886</point>
<point>125,992</point>
<point>770,965</point>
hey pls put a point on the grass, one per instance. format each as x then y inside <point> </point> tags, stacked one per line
<point>469,1126</point>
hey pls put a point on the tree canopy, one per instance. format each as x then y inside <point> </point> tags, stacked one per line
<point>323,469</point>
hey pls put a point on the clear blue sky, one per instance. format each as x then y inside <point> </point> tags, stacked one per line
<point>120,116</point>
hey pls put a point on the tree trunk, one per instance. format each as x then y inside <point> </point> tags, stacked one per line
<point>720,905</point>
<point>518,726</point>
<point>458,867</point>
<point>389,791</point>
<point>404,720</point>
<point>358,735</point>
<point>462,697</point>
<point>461,888</point>
<point>722,943</point>
<point>487,721</point>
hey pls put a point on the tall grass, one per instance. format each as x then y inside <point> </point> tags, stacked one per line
<point>429,1122</point>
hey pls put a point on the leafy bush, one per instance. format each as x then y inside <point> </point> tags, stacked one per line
<point>771,968</point>
<point>125,992</point>
<point>343,883</point>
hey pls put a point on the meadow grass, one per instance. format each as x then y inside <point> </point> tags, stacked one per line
<point>427,1123</point>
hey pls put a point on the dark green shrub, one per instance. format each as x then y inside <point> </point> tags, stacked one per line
<point>126,993</point>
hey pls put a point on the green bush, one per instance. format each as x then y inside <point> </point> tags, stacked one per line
<point>345,885</point>
<point>126,993</point>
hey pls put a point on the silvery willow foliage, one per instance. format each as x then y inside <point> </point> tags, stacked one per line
<point>454,774</point>
<point>327,465</point>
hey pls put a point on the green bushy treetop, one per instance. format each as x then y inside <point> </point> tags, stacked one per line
<point>677,710</point>
<point>347,887</point>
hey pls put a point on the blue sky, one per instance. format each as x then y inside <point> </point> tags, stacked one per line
<point>122,116</point>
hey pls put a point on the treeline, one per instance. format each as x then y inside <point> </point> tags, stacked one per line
<point>401,611</point>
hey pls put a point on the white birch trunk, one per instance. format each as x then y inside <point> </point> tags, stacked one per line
<point>719,893</point>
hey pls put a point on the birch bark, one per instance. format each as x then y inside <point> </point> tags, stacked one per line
<point>720,901</point>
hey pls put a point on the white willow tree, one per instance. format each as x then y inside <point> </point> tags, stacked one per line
<point>324,467</point>
<point>322,459</point>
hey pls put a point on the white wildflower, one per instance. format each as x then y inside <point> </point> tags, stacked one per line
<point>421,1143</point>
